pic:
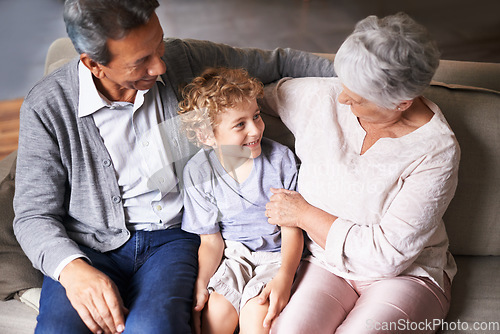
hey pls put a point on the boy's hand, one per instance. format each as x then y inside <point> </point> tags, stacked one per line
<point>200,299</point>
<point>277,291</point>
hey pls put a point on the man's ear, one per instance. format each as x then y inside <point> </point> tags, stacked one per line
<point>92,65</point>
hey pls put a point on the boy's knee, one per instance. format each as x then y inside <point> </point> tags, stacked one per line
<point>218,304</point>
<point>219,314</point>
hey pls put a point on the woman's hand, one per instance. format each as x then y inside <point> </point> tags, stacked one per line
<point>286,208</point>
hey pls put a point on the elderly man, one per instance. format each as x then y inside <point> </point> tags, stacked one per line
<point>99,191</point>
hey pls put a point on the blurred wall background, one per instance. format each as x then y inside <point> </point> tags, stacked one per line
<point>464,30</point>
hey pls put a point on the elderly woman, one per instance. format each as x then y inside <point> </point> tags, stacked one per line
<point>379,168</point>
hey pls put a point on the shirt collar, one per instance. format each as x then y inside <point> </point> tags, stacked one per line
<point>91,100</point>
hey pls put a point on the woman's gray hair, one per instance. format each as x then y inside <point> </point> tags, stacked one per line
<point>90,23</point>
<point>388,60</point>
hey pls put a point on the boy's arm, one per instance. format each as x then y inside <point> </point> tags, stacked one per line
<point>278,290</point>
<point>209,257</point>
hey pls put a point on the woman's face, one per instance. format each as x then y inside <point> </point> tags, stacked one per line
<point>365,110</point>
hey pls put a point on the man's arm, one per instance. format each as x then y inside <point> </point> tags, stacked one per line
<point>41,192</point>
<point>41,201</point>
<point>267,66</point>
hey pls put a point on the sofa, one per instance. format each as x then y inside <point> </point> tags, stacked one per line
<point>468,94</point>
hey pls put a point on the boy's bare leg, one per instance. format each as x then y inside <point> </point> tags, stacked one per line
<point>252,317</point>
<point>218,316</point>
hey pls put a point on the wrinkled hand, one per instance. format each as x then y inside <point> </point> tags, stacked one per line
<point>277,292</point>
<point>285,208</point>
<point>200,299</point>
<point>94,296</point>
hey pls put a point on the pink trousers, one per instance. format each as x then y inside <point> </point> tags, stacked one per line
<point>322,302</point>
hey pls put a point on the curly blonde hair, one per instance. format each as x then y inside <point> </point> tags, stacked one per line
<point>211,94</point>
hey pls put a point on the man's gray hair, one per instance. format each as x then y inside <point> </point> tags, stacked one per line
<point>388,60</point>
<point>90,23</point>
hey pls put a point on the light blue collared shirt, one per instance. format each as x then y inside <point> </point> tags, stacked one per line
<point>141,157</point>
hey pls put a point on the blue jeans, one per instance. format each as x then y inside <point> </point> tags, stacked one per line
<point>155,274</point>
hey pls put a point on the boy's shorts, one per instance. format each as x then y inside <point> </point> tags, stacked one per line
<point>243,274</point>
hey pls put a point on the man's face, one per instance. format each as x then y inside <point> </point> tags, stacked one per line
<point>135,59</point>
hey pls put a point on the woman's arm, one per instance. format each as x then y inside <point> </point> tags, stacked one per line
<point>289,208</point>
<point>277,291</point>
<point>389,246</point>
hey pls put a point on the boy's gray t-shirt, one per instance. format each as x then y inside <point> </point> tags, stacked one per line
<point>215,202</point>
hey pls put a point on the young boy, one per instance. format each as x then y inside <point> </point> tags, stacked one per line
<point>243,277</point>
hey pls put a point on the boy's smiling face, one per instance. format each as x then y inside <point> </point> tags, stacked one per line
<point>239,130</point>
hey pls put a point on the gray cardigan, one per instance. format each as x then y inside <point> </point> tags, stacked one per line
<point>66,189</point>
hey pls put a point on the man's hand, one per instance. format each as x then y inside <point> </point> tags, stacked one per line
<point>94,296</point>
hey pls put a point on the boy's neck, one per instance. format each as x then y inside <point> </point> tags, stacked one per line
<point>239,168</point>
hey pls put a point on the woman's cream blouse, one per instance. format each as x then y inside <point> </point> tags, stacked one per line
<point>390,201</point>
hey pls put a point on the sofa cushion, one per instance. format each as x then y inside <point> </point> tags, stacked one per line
<point>30,297</point>
<point>472,220</point>
<point>17,273</point>
<point>16,317</point>
<point>474,296</point>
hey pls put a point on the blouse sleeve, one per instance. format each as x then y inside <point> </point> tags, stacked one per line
<point>409,225</point>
